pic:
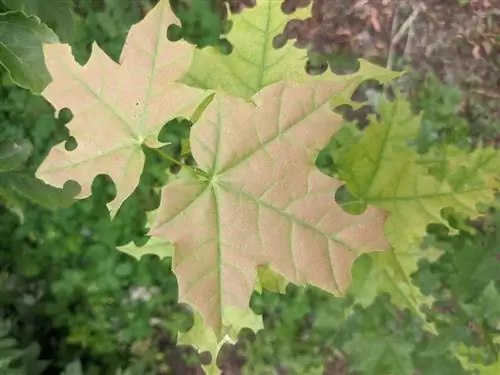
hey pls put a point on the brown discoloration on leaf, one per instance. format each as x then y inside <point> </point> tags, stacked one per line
<point>118,107</point>
<point>265,201</point>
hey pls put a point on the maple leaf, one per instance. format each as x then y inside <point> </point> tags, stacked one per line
<point>380,168</point>
<point>255,63</point>
<point>261,200</point>
<point>118,107</point>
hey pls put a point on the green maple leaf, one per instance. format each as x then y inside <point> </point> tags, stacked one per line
<point>255,63</point>
<point>21,40</point>
<point>398,181</point>
<point>55,13</point>
<point>380,168</point>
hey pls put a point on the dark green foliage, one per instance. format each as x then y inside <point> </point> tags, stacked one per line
<point>107,23</point>
<point>465,281</point>
<point>17,361</point>
<point>202,23</point>
<point>306,326</point>
<point>441,122</point>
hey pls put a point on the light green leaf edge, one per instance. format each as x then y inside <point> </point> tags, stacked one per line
<point>156,246</point>
<point>203,338</point>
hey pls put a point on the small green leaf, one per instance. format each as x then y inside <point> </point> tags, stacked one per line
<point>21,40</point>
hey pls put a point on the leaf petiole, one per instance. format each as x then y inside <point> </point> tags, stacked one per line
<point>194,170</point>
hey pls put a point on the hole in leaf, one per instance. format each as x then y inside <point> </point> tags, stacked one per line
<point>316,66</point>
<point>174,130</point>
<point>342,64</point>
<point>71,144</point>
<point>174,33</point>
<point>189,160</point>
<point>205,358</point>
<point>225,47</point>
<point>288,7</point>
<point>175,168</point>
<point>279,41</point>
<point>349,202</point>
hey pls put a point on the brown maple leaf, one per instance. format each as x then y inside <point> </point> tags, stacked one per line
<point>118,107</point>
<point>262,201</point>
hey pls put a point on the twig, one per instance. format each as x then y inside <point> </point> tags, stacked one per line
<point>409,41</point>
<point>489,94</point>
<point>395,22</point>
<point>396,36</point>
<point>407,23</point>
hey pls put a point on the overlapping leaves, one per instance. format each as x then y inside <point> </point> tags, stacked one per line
<point>262,201</point>
<point>465,282</point>
<point>380,168</point>
<point>255,197</point>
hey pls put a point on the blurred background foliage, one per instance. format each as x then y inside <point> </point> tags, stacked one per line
<point>71,304</point>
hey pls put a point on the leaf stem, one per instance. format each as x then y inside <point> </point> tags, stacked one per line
<point>166,156</point>
<point>194,170</point>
